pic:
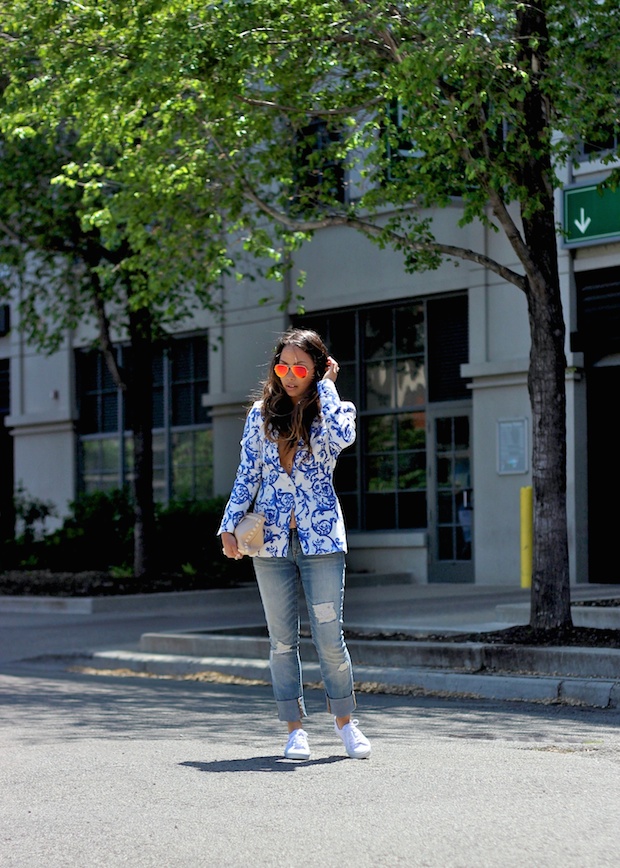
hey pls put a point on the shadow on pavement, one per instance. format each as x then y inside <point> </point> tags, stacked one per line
<point>52,708</point>
<point>260,764</point>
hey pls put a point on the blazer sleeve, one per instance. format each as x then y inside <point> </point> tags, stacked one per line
<point>248,476</point>
<point>338,418</point>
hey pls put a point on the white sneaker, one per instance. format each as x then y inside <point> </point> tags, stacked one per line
<point>297,745</point>
<point>356,743</point>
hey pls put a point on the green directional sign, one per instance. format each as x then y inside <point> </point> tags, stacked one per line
<point>591,215</point>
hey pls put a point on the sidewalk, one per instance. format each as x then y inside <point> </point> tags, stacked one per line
<point>222,632</point>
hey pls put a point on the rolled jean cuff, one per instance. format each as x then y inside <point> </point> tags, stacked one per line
<point>291,709</point>
<point>342,707</point>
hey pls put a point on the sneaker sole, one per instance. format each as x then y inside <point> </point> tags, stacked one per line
<point>359,756</point>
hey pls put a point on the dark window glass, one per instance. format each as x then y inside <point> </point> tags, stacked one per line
<point>600,141</point>
<point>454,491</point>
<point>183,460</point>
<point>189,364</point>
<point>448,348</point>
<point>412,510</point>
<point>598,313</point>
<point>5,387</point>
<point>385,354</point>
<point>380,511</point>
<point>319,174</point>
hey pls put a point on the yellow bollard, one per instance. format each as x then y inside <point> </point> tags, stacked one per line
<point>527,535</point>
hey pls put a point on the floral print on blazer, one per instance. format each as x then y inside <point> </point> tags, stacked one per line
<point>309,490</point>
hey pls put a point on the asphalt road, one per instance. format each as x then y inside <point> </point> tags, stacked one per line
<point>101,770</point>
<point>110,771</point>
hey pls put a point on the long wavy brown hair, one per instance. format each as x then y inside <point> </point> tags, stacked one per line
<point>285,421</point>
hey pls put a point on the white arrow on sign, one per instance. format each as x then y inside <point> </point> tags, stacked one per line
<point>583,223</point>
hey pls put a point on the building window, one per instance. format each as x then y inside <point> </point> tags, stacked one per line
<point>399,146</point>
<point>319,174</point>
<point>602,141</point>
<point>405,156</point>
<point>5,388</point>
<point>182,438</point>
<point>387,356</point>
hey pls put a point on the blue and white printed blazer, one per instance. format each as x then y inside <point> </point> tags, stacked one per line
<point>309,490</point>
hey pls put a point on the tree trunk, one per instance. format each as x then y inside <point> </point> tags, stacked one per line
<point>546,378</point>
<point>547,388</point>
<point>141,408</point>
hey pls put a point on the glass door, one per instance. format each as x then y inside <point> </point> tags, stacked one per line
<point>451,497</point>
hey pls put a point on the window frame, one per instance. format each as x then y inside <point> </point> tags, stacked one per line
<point>165,431</point>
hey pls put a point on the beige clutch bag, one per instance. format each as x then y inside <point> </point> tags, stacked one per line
<point>249,533</point>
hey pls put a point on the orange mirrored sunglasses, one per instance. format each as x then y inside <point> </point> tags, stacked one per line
<point>300,371</point>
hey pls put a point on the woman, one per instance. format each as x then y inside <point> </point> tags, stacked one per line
<point>290,444</point>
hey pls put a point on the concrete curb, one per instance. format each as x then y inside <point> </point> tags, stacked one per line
<point>122,603</point>
<point>92,605</point>
<point>599,693</point>
<point>471,657</point>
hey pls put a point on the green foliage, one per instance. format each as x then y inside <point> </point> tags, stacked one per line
<point>173,150</point>
<point>125,133</point>
<point>187,537</point>
<point>31,515</point>
<point>187,122</point>
<point>97,535</point>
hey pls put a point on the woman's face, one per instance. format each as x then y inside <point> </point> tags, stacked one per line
<point>294,386</point>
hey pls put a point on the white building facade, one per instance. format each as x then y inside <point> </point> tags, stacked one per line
<point>436,363</point>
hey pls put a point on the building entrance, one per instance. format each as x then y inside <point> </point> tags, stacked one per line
<point>603,473</point>
<point>451,496</point>
<point>598,337</point>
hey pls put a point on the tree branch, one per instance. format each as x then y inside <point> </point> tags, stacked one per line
<point>105,341</point>
<point>335,112</point>
<point>373,230</point>
<point>6,230</point>
<point>290,222</point>
<point>496,201</point>
<point>450,250</point>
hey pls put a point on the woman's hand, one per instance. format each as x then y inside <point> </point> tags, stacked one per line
<point>332,370</point>
<point>229,546</point>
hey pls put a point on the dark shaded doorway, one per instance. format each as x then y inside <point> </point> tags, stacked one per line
<point>598,337</point>
<point>603,474</point>
<point>7,507</point>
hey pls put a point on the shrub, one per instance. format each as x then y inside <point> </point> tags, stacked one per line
<point>187,542</point>
<point>97,535</point>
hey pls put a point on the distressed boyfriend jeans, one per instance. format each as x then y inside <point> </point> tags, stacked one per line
<point>322,579</point>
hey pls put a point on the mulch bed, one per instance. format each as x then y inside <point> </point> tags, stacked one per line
<point>94,583</point>
<point>577,637</point>
<point>615,601</point>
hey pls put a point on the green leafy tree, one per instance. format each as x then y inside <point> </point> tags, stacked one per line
<point>89,232</point>
<point>492,99</point>
<point>115,195</point>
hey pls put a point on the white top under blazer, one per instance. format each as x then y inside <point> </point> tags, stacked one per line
<point>309,489</point>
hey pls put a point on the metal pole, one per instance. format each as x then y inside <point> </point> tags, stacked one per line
<point>527,535</point>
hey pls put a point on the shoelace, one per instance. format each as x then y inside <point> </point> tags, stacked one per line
<point>296,739</point>
<point>354,734</point>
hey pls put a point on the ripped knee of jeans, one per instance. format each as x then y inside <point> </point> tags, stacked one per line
<point>281,647</point>
<point>325,612</point>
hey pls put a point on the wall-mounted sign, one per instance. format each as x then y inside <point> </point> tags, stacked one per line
<point>591,215</point>
<point>512,454</point>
